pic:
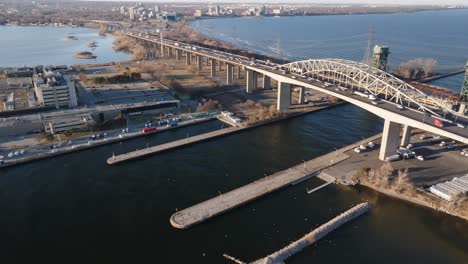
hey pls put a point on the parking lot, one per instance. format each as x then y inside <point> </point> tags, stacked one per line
<point>441,163</point>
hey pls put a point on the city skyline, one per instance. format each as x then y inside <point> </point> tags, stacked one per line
<point>367,2</point>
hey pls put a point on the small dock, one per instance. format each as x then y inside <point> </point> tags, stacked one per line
<point>230,200</point>
<point>324,177</point>
<point>440,76</point>
<point>171,145</point>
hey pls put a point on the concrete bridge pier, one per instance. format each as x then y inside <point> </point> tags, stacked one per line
<point>266,81</point>
<point>462,108</point>
<point>213,67</point>
<point>406,135</point>
<point>178,54</point>
<point>238,72</point>
<point>199,62</point>
<point>251,82</point>
<point>301,99</point>
<point>229,73</point>
<point>188,58</point>
<point>220,66</point>
<point>284,96</point>
<point>162,50</point>
<point>390,139</point>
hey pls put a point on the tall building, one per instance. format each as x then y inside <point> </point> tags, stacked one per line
<point>54,89</point>
<point>131,13</point>
<point>380,57</point>
<point>198,13</point>
<point>156,9</point>
<point>122,10</point>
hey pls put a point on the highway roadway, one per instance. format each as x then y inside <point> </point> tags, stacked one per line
<point>411,113</point>
<point>421,120</point>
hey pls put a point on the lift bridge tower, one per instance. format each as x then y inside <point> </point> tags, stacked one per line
<point>380,57</point>
<point>464,92</point>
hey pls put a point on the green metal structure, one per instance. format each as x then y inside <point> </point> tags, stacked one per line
<point>464,90</point>
<point>380,57</point>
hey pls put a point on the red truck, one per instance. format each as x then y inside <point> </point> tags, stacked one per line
<point>438,123</point>
<point>149,129</point>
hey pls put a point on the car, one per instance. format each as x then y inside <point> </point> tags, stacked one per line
<point>438,123</point>
<point>400,107</point>
<point>374,102</point>
<point>460,125</point>
<point>421,158</point>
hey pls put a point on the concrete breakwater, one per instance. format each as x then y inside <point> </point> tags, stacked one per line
<point>171,145</point>
<point>279,256</point>
<point>217,205</point>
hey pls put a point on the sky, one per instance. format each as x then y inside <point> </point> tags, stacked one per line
<point>392,2</point>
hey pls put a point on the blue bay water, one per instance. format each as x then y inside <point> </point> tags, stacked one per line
<point>440,35</point>
<point>31,45</point>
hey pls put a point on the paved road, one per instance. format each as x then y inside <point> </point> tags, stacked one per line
<point>53,149</point>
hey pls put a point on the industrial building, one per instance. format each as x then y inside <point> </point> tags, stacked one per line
<point>52,88</point>
<point>450,189</point>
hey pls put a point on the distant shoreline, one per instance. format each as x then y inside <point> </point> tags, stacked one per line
<point>328,14</point>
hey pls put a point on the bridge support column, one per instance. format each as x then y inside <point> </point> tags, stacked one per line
<point>266,82</point>
<point>390,139</point>
<point>178,54</point>
<point>406,135</point>
<point>220,65</point>
<point>462,108</point>
<point>213,68</point>
<point>251,81</point>
<point>188,58</point>
<point>199,62</point>
<point>229,73</point>
<point>301,98</point>
<point>284,96</point>
<point>162,50</point>
<point>238,71</point>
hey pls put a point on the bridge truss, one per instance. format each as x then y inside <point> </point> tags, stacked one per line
<point>363,77</point>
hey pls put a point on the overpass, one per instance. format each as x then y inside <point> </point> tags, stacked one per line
<point>402,106</point>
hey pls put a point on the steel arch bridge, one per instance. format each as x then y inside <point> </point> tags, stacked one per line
<point>367,78</point>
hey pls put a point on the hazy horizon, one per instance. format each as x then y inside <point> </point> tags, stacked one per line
<point>368,2</point>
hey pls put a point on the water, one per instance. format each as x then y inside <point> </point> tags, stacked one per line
<point>78,209</point>
<point>440,35</point>
<point>29,45</point>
